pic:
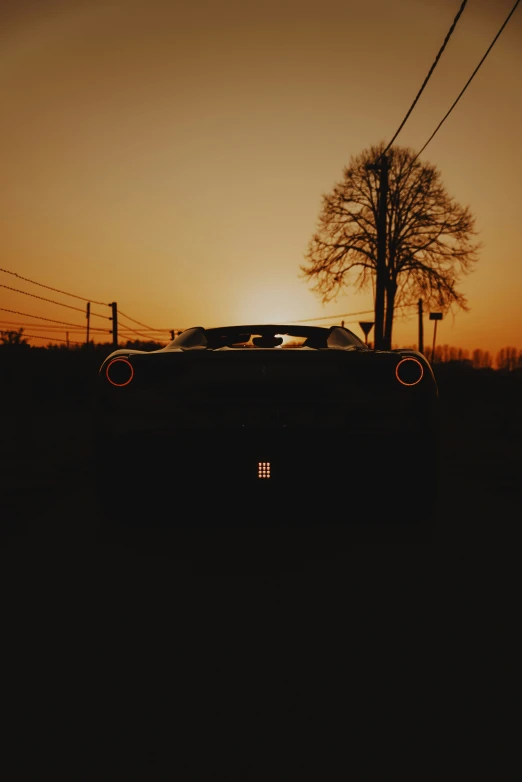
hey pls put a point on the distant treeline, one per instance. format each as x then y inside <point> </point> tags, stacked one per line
<point>15,338</point>
<point>506,358</point>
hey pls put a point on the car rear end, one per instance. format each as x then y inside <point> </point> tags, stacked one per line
<point>227,431</point>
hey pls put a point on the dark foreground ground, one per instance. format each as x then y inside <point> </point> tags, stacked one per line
<point>251,654</point>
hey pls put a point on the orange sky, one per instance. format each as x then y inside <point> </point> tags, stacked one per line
<point>172,156</point>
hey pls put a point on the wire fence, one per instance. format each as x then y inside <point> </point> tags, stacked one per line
<point>52,326</point>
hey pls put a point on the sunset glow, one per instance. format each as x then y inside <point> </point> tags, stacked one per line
<point>172,158</point>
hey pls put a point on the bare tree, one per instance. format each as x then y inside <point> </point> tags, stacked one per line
<point>509,358</point>
<point>429,237</point>
<point>13,338</point>
<point>482,359</point>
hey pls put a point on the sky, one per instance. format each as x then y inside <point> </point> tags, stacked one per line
<point>172,156</point>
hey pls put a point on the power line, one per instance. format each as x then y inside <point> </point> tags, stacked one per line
<point>56,290</point>
<point>44,326</point>
<point>157,331</point>
<point>38,336</point>
<point>61,304</point>
<point>343,315</point>
<point>329,317</point>
<point>74,295</point>
<point>78,309</point>
<point>129,328</point>
<point>468,81</point>
<point>138,322</point>
<point>40,317</point>
<point>426,80</point>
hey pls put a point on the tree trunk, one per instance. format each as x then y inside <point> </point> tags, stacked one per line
<point>391,290</point>
<point>380,282</point>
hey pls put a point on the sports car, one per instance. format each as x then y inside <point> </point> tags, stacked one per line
<point>293,424</point>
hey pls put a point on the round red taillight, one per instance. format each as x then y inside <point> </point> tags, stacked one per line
<point>409,371</point>
<point>119,372</point>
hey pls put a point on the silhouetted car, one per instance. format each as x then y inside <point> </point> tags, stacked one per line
<point>282,422</point>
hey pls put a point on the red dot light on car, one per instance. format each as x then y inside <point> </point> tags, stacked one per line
<point>119,372</point>
<point>409,371</point>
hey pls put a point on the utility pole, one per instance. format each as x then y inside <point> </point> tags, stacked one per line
<point>67,338</point>
<point>114,323</point>
<point>88,321</point>
<point>382,167</point>
<point>436,316</point>
<point>421,328</point>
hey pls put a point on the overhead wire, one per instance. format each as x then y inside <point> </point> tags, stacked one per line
<point>44,326</point>
<point>60,303</point>
<point>343,315</point>
<point>430,72</point>
<point>120,312</point>
<point>56,290</point>
<point>450,32</point>
<point>78,309</point>
<point>38,317</point>
<point>459,96</point>
<point>129,328</point>
<point>423,86</point>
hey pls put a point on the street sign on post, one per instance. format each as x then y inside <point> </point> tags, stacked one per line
<point>434,316</point>
<point>366,326</point>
